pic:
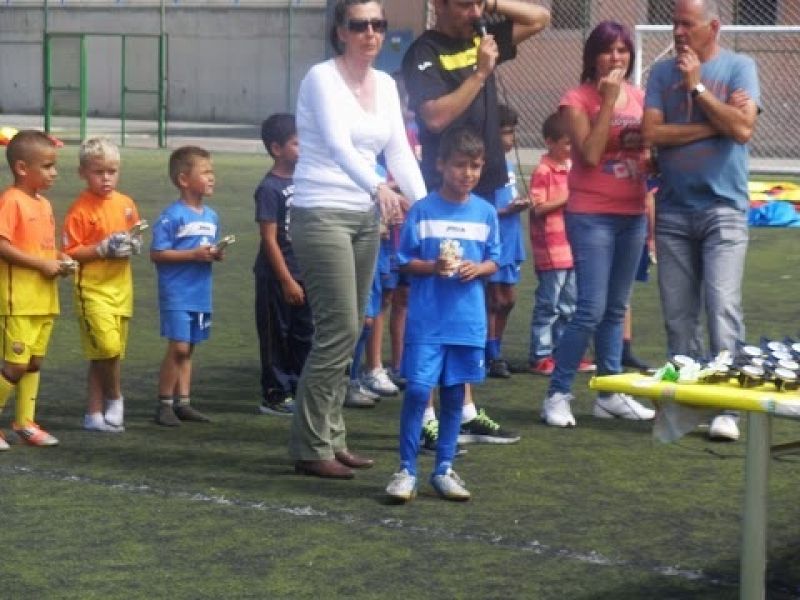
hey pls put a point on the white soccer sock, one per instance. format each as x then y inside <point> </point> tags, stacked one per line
<point>115,409</point>
<point>93,420</point>
<point>468,413</point>
<point>96,422</point>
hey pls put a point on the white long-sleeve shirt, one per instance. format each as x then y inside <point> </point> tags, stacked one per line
<point>339,143</point>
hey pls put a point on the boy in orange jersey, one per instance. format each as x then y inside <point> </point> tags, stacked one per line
<point>97,234</point>
<point>29,265</point>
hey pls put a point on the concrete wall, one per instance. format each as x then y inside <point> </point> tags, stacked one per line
<point>231,63</point>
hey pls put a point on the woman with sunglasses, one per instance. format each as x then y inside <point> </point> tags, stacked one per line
<point>347,114</point>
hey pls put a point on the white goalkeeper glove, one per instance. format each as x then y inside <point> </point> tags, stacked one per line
<point>117,245</point>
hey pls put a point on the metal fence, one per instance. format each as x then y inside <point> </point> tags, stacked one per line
<point>138,68</point>
<point>232,62</point>
<point>550,63</point>
<point>236,61</point>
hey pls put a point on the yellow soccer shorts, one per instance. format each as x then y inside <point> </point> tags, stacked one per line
<point>25,336</point>
<point>103,335</point>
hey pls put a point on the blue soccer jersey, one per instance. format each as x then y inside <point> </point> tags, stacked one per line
<point>513,248</point>
<point>184,285</point>
<point>446,310</point>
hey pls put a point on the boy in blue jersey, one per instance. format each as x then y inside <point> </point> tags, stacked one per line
<point>448,244</point>
<point>183,248</point>
<point>501,292</point>
<point>367,388</point>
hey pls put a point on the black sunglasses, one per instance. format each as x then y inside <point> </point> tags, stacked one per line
<point>361,25</point>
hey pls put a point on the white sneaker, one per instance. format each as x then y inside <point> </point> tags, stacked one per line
<point>450,486</point>
<point>621,406</point>
<point>724,428</point>
<point>556,410</point>
<point>402,487</point>
<point>96,422</point>
<point>114,414</point>
<point>378,382</point>
<point>3,443</point>
<point>357,396</point>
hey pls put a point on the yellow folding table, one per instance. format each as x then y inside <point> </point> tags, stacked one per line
<point>761,404</point>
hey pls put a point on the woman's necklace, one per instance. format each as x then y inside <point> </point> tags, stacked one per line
<point>352,82</point>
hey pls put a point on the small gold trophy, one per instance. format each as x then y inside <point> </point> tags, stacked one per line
<point>451,252</point>
<point>226,241</point>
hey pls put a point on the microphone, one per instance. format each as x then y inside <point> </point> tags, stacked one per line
<point>480,26</point>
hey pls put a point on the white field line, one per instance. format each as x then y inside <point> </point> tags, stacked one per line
<point>533,546</point>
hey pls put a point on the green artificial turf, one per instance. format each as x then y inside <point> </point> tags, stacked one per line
<point>211,511</point>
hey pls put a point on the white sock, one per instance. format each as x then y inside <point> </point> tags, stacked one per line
<point>96,422</point>
<point>93,420</point>
<point>115,411</point>
<point>468,413</point>
<point>428,415</point>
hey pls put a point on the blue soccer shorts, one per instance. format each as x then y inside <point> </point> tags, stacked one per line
<point>443,364</point>
<point>509,274</point>
<point>185,326</point>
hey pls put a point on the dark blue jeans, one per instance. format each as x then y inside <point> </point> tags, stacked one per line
<point>606,251</point>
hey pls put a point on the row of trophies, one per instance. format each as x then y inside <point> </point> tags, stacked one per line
<point>772,361</point>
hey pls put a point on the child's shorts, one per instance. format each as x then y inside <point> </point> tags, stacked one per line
<point>395,279</point>
<point>375,297</point>
<point>443,364</point>
<point>509,274</point>
<point>381,280</point>
<point>185,326</point>
<point>103,335</point>
<point>25,336</point>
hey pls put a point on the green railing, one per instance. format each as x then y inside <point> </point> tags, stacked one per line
<point>66,74</point>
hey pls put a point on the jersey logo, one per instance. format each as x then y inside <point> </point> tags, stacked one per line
<point>425,65</point>
<point>197,228</point>
<point>460,60</point>
<point>463,230</point>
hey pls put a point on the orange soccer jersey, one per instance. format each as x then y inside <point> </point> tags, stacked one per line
<point>27,222</point>
<point>104,285</point>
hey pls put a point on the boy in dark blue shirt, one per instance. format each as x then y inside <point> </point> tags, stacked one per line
<point>283,316</point>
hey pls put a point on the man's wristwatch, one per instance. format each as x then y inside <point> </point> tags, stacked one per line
<point>697,90</point>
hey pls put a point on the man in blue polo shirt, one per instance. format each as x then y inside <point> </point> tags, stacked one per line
<point>700,111</point>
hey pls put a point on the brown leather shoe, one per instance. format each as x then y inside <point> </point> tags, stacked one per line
<point>354,461</point>
<point>328,469</point>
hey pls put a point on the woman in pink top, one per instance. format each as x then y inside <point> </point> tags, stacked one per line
<point>604,216</point>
